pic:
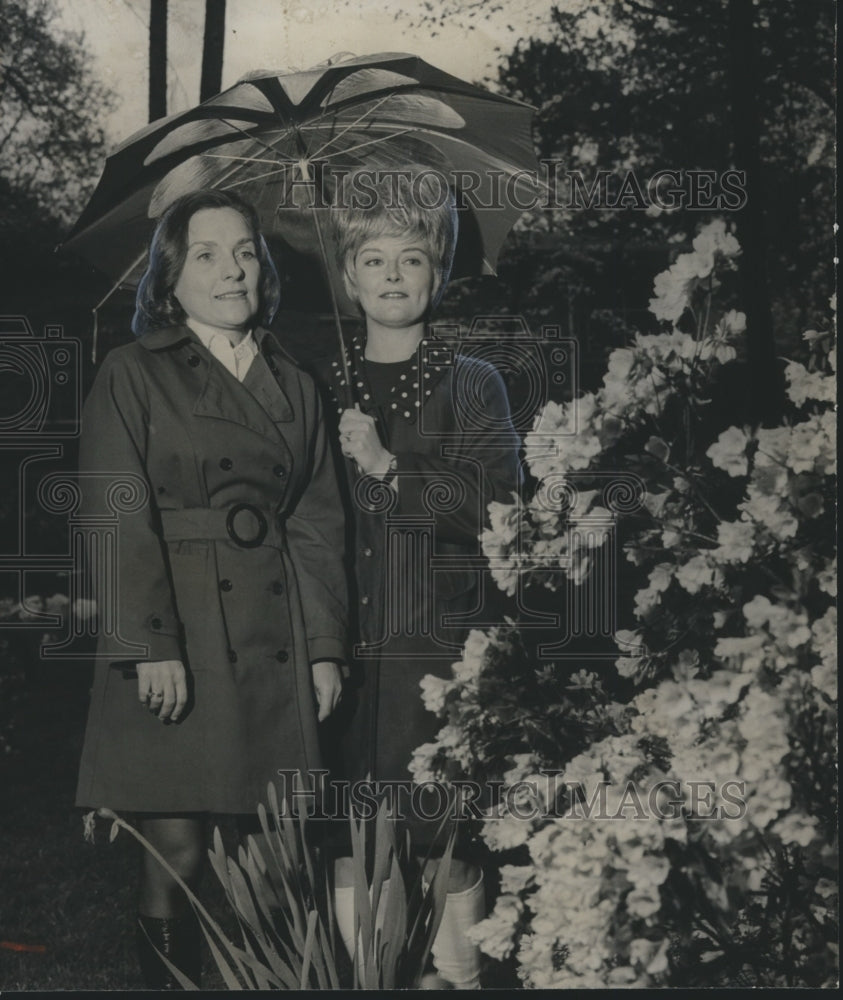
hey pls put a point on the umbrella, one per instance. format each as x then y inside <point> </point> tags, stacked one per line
<point>283,140</point>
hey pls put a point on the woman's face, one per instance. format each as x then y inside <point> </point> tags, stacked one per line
<point>218,284</point>
<point>394,279</point>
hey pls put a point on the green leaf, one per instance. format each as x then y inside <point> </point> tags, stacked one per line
<point>308,948</point>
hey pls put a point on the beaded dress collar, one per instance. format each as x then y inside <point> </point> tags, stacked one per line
<point>413,385</point>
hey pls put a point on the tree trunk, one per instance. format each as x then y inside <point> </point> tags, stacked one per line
<point>212,49</point>
<point>157,59</point>
<point>766,386</point>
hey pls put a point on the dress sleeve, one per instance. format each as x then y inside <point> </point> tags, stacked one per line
<point>135,605</point>
<point>316,538</point>
<point>485,459</point>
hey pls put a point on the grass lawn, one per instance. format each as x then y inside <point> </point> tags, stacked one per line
<point>57,892</point>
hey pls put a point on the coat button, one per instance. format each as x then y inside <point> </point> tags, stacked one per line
<point>156,623</point>
<point>226,585</point>
<point>279,471</point>
<point>193,360</point>
<point>282,656</point>
<point>232,656</point>
<point>277,587</point>
<point>364,599</point>
<point>367,552</point>
<point>226,464</point>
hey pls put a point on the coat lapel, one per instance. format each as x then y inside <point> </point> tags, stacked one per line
<point>220,395</point>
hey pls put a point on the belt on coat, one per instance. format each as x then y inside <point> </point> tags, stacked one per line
<point>245,524</point>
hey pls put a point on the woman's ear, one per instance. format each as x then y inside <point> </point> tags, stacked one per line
<point>437,284</point>
<point>349,283</point>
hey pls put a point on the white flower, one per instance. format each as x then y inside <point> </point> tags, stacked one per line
<point>698,572</point>
<point>469,668</point>
<point>496,934</point>
<point>644,901</point>
<point>30,607</point>
<point>796,828</point>
<point>713,239</point>
<point>56,604</point>
<point>421,766</point>
<point>729,452</point>
<point>827,578</point>
<point>769,511</point>
<point>735,542</point>
<point>434,691</point>
<point>84,608</point>
<point>824,678</point>
<point>505,832</point>
<point>804,385</point>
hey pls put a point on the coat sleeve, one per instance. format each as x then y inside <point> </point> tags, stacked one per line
<point>485,459</point>
<point>136,613</point>
<point>316,538</point>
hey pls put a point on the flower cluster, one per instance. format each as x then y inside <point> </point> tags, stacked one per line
<point>684,834</point>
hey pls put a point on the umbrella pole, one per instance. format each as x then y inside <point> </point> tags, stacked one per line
<point>105,299</point>
<point>349,392</point>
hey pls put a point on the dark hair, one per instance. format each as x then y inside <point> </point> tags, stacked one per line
<point>155,304</point>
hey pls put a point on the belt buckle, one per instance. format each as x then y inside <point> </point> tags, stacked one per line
<point>263,527</point>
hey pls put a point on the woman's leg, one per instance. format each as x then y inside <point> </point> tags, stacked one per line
<point>181,840</point>
<point>456,957</point>
<point>166,922</point>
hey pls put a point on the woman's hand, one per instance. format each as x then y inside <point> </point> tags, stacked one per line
<point>359,440</point>
<point>162,687</point>
<point>327,683</point>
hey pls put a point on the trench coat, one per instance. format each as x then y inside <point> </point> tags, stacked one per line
<point>194,580</point>
<point>419,576</point>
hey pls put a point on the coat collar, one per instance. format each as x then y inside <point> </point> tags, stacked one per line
<point>264,393</point>
<point>433,360</point>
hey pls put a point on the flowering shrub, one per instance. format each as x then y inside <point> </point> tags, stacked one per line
<point>675,819</point>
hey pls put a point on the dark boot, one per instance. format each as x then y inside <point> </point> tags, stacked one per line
<point>175,937</point>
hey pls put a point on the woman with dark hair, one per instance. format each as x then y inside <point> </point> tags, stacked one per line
<point>222,630</point>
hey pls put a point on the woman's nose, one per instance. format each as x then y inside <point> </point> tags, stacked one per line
<point>232,268</point>
<point>393,272</point>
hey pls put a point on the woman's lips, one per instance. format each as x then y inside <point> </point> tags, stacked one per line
<point>231,295</point>
<point>394,295</point>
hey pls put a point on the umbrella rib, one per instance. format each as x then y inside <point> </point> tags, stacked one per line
<point>351,125</point>
<point>248,135</point>
<point>248,159</point>
<point>382,138</point>
<point>254,177</point>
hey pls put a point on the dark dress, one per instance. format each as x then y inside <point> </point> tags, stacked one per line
<point>419,575</point>
<point>193,442</point>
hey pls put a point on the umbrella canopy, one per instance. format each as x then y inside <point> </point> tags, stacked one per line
<point>269,131</point>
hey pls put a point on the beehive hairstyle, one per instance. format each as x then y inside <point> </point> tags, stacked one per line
<point>413,202</point>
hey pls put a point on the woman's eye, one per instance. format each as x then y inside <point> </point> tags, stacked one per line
<point>205,255</point>
<point>372,261</point>
<point>247,255</point>
<point>415,261</point>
